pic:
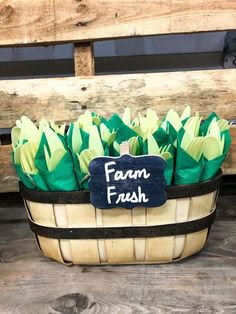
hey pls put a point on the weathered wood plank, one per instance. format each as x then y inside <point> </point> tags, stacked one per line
<point>30,22</point>
<point>8,177</point>
<point>9,180</point>
<point>84,59</point>
<point>63,99</point>
<point>229,166</point>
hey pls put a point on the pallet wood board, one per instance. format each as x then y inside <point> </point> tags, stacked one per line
<point>45,22</point>
<point>31,283</point>
<point>84,59</point>
<point>8,176</point>
<point>63,99</point>
<point>9,180</point>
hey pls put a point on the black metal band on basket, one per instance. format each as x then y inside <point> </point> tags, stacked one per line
<point>81,197</point>
<point>124,232</point>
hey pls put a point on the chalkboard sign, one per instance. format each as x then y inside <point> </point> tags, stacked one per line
<point>127,181</point>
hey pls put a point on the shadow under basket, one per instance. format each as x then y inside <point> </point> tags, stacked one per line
<point>69,229</point>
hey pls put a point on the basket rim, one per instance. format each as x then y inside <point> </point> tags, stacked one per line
<point>81,197</point>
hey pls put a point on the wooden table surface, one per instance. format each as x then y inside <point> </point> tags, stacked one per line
<point>31,283</point>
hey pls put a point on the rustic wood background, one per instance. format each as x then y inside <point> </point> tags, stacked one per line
<point>82,22</point>
<point>31,22</point>
<point>29,282</point>
<point>64,99</point>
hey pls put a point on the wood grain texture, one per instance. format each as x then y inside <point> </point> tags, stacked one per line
<point>29,22</point>
<point>63,99</point>
<point>31,283</point>
<point>229,166</point>
<point>84,59</point>
<point>9,179</point>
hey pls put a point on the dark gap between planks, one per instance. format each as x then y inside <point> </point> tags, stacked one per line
<point>113,65</point>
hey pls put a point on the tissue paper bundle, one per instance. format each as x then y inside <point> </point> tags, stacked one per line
<point>50,159</point>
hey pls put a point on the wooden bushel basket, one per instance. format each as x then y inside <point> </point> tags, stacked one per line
<point>70,230</point>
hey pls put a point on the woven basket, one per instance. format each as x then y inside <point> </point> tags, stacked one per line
<point>70,230</point>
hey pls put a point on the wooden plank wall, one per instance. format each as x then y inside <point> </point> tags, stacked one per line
<point>30,22</point>
<point>82,22</point>
<point>63,99</point>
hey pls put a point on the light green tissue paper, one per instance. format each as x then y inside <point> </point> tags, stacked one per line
<point>212,166</point>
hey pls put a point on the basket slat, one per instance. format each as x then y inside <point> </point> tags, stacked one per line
<point>44,214</point>
<point>182,213</point>
<point>101,242</point>
<point>200,206</point>
<point>83,251</point>
<point>118,250</point>
<point>160,248</point>
<point>139,218</point>
<point>60,212</point>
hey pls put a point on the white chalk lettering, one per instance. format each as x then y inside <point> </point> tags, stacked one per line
<point>141,196</point>
<point>107,170</point>
<point>121,198</point>
<point>134,198</point>
<point>109,193</point>
<point>131,174</point>
<point>113,196</point>
<point>118,175</point>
